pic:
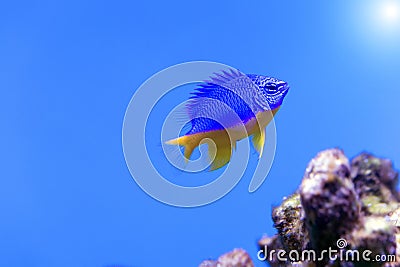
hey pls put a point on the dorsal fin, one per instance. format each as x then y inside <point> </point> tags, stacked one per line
<point>226,79</point>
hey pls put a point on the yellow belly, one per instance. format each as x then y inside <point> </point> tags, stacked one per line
<point>224,140</point>
<point>238,133</point>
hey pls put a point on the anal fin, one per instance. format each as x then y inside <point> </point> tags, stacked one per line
<point>220,153</point>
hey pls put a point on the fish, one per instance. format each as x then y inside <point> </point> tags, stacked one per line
<point>229,107</point>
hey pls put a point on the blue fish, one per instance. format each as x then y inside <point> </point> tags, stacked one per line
<point>227,108</point>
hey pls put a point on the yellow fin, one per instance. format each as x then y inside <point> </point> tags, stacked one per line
<point>222,156</point>
<point>222,148</point>
<point>259,141</point>
<point>222,151</point>
<point>188,142</point>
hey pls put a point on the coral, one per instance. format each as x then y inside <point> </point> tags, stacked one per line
<point>375,182</point>
<point>235,258</point>
<point>349,210</point>
<point>328,199</point>
<point>287,220</point>
<point>376,235</point>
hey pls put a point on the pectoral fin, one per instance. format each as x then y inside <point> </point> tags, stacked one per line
<point>259,141</point>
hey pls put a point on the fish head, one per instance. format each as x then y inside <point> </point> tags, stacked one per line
<point>274,90</point>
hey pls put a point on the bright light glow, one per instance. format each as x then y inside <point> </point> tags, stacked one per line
<point>384,21</point>
<point>371,27</point>
<point>390,11</point>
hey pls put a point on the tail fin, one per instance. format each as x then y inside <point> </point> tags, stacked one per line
<point>184,141</point>
<point>222,150</point>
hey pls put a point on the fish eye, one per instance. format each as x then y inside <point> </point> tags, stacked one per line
<point>271,87</point>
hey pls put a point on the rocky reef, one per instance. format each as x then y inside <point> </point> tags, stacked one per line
<point>345,213</point>
<point>237,257</point>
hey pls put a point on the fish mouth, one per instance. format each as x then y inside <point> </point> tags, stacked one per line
<point>284,88</point>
